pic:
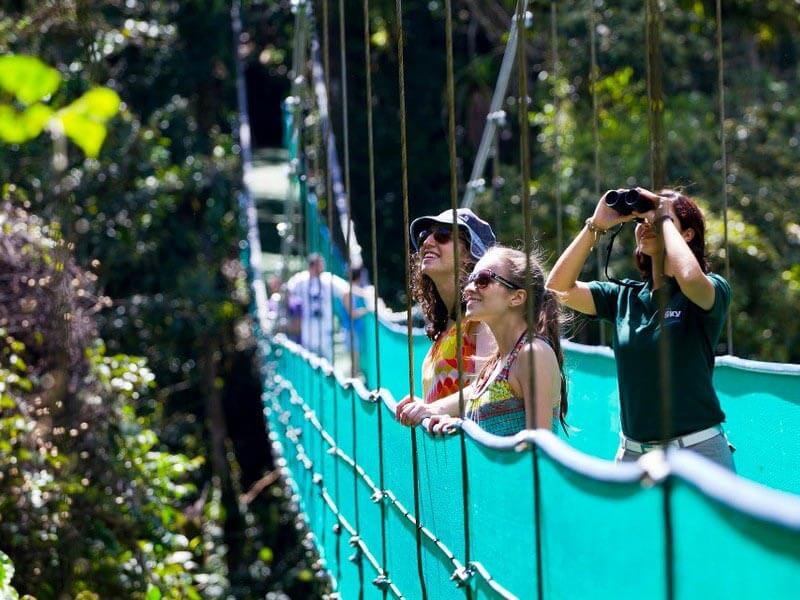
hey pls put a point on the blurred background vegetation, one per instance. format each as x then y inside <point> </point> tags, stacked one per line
<point>762,71</point>
<point>130,422</point>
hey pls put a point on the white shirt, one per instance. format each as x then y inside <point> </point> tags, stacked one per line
<point>313,295</point>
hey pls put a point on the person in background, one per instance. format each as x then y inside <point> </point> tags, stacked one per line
<point>274,285</point>
<point>670,254</point>
<point>354,309</point>
<point>434,287</point>
<point>504,399</point>
<point>311,293</point>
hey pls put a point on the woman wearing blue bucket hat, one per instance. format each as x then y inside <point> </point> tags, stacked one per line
<point>433,286</point>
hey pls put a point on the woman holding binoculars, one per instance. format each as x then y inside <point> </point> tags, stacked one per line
<point>670,255</point>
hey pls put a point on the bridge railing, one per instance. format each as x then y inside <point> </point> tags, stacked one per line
<point>539,517</point>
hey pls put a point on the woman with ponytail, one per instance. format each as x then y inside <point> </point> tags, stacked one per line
<point>521,386</point>
<point>666,325</point>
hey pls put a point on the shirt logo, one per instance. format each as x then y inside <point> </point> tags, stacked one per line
<point>672,314</point>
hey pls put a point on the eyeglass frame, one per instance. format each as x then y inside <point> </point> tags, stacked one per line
<point>435,230</point>
<point>473,277</point>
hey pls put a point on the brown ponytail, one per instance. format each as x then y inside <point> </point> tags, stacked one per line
<point>549,327</point>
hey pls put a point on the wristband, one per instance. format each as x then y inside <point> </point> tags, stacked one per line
<point>661,218</point>
<point>594,230</point>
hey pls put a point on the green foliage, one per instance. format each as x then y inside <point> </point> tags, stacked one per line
<point>27,78</point>
<point>6,575</point>
<point>762,126</point>
<point>154,213</point>
<point>29,81</point>
<point>97,499</point>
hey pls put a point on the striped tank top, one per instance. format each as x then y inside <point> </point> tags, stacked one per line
<point>440,366</point>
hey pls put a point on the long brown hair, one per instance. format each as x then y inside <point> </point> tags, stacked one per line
<point>424,291</point>
<point>547,313</point>
<point>690,217</point>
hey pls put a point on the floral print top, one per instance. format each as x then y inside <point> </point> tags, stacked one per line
<point>440,366</point>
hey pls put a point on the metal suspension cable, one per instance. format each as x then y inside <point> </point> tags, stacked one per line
<point>593,81</point>
<point>657,169</point>
<point>348,269</point>
<point>327,133</point>
<point>451,138</point>
<point>524,141</point>
<point>556,126</point>
<point>658,176</point>
<point>254,243</point>
<point>384,576</point>
<point>655,95</point>
<point>496,116</point>
<point>724,152</point>
<point>407,245</point>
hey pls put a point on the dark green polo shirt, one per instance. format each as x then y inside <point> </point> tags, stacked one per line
<point>692,334</point>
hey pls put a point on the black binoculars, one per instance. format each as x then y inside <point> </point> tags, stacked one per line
<point>626,202</point>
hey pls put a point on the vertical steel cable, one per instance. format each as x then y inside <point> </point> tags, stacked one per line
<point>658,176</point>
<point>556,126</point>
<point>524,132</point>
<point>593,81</point>
<point>348,268</point>
<point>407,245</point>
<point>451,138</point>
<point>723,148</point>
<point>655,95</point>
<point>329,201</point>
<point>657,169</point>
<point>374,249</point>
<point>346,141</point>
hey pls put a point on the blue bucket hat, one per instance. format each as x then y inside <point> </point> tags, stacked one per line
<point>481,236</point>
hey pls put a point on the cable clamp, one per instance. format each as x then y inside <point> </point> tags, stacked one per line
<point>527,19</point>
<point>337,529</point>
<point>358,552</point>
<point>477,184</point>
<point>498,117</point>
<point>462,575</point>
<point>382,582</point>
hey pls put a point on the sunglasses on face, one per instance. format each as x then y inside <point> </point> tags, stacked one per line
<point>441,235</point>
<point>484,277</point>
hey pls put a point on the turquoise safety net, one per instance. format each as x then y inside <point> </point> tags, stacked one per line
<point>543,515</point>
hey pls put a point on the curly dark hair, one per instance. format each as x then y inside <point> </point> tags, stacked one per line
<point>424,291</point>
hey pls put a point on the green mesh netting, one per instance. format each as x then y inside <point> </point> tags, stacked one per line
<point>599,536</point>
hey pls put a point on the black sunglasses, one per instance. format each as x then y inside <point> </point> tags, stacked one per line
<point>442,234</point>
<point>484,277</point>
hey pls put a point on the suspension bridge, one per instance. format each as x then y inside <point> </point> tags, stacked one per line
<point>395,512</point>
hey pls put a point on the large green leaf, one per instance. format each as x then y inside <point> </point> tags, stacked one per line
<point>20,126</point>
<point>27,78</point>
<point>84,120</point>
